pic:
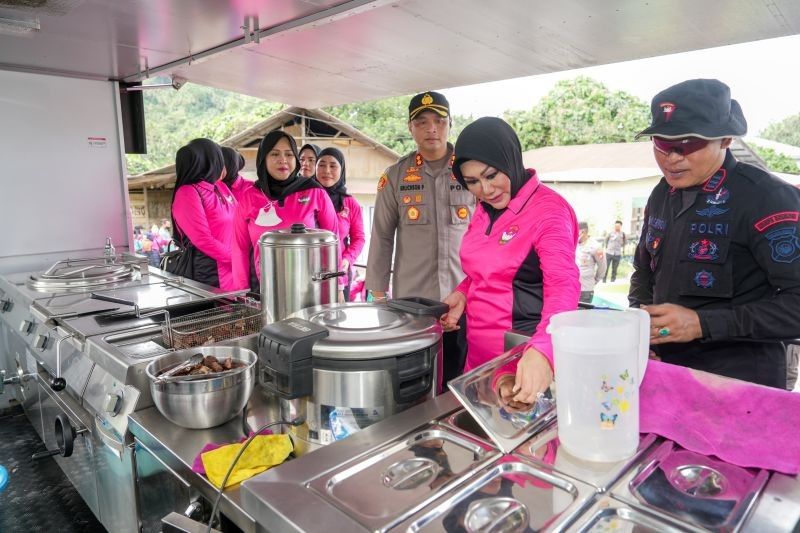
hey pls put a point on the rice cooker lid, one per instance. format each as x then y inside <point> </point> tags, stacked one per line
<point>297,236</point>
<point>362,331</point>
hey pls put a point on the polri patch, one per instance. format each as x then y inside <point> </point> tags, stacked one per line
<point>704,279</point>
<point>717,229</point>
<point>704,250</point>
<point>412,178</point>
<point>382,182</point>
<point>785,245</point>
<point>413,213</point>
<point>776,218</point>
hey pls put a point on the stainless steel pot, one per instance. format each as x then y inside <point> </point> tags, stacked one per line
<point>299,269</point>
<point>203,403</point>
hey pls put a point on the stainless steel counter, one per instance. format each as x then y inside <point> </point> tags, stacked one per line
<point>176,448</point>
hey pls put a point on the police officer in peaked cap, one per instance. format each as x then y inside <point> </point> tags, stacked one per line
<point>718,263</point>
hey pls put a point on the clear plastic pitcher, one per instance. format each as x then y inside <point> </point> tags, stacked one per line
<point>600,357</point>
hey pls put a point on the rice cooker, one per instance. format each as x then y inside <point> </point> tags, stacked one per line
<point>343,367</point>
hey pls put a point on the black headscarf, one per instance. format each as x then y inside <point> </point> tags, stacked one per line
<point>234,162</point>
<point>492,141</point>
<point>338,190</point>
<point>200,160</point>
<point>308,146</point>
<point>276,189</point>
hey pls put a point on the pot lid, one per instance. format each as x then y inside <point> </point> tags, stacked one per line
<point>370,330</point>
<point>298,235</point>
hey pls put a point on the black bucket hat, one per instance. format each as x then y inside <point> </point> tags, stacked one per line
<point>696,108</point>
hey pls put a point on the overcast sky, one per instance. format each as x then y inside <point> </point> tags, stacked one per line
<point>764,76</point>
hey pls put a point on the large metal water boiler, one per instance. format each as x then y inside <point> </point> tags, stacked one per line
<point>299,269</point>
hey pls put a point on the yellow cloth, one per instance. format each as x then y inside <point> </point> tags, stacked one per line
<point>264,452</point>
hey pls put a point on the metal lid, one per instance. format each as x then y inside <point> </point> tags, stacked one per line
<point>370,331</point>
<point>298,235</point>
<point>66,276</point>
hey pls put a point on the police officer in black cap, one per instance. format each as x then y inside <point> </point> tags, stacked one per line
<point>718,263</point>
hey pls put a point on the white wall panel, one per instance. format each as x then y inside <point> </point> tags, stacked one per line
<point>61,173</point>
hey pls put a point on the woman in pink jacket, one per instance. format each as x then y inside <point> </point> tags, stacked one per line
<point>518,256</point>
<point>330,174</point>
<point>202,212</point>
<point>278,199</point>
<point>234,163</point>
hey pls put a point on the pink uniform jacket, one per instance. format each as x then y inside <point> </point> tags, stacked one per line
<point>204,212</point>
<point>520,271</point>
<point>238,187</point>
<point>256,214</point>
<point>350,224</point>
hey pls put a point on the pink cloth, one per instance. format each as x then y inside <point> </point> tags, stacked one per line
<point>256,214</point>
<point>197,464</point>
<point>538,230</point>
<point>742,423</point>
<point>350,224</point>
<point>204,213</point>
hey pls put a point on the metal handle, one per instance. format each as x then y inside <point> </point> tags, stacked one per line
<point>322,276</point>
<point>112,299</point>
<point>57,382</point>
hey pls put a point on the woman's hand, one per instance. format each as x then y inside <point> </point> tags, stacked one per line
<point>534,376</point>
<point>345,265</point>
<point>457,302</point>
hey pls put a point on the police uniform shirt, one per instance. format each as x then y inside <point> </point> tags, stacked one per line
<point>422,215</point>
<point>728,249</point>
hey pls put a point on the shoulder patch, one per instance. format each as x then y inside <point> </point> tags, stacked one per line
<point>776,218</point>
<point>785,245</point>
<point>382,182</point>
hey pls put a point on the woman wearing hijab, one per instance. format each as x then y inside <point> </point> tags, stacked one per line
<point>234,162</point>
<point>279,199</point>
<point>331,175</point>
<point>202,212</point>
<point>309,154</point>
<point>518,256</point>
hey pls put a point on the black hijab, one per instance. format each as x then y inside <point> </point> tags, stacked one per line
<point>234,162</point>
<point>308,146</point>
<point>338,190</point>
<point>492,141</point>
<point>276,189</point>
<point>200,160</point>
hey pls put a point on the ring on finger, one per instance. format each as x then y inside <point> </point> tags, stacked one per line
<point>663,332</point>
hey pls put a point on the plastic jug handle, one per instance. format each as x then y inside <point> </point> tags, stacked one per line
<point>644,340</point>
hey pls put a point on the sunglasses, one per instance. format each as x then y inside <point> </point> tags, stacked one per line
<point>684,146</point>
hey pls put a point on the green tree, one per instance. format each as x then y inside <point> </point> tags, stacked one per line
<point>785,131</point>
<point>386,121</point>
<point>173,118</point>
<point>776,162</point>
<point>580,111</point>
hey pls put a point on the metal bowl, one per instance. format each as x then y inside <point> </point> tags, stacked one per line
<point>203,403</point>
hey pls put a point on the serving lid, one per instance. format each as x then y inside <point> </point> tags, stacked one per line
<point>506,426</point>
<point>370,330</point>
<point>298,235</point>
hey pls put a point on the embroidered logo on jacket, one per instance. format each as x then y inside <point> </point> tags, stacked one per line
<point>304,199</point>
<point>704,279</point>
<point>657,223</point>
<point>719,198</point>
<point>776,218</point>
<point>412,178</point>
<point>715,181</point>
<point>382,182</point>
<point>652,242</point>
<point>704,250</point>
<point>508,234</point>
<point>785,245</point>
<point>712,211</point>
<point>462,212</point>
<point>413,213</point>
